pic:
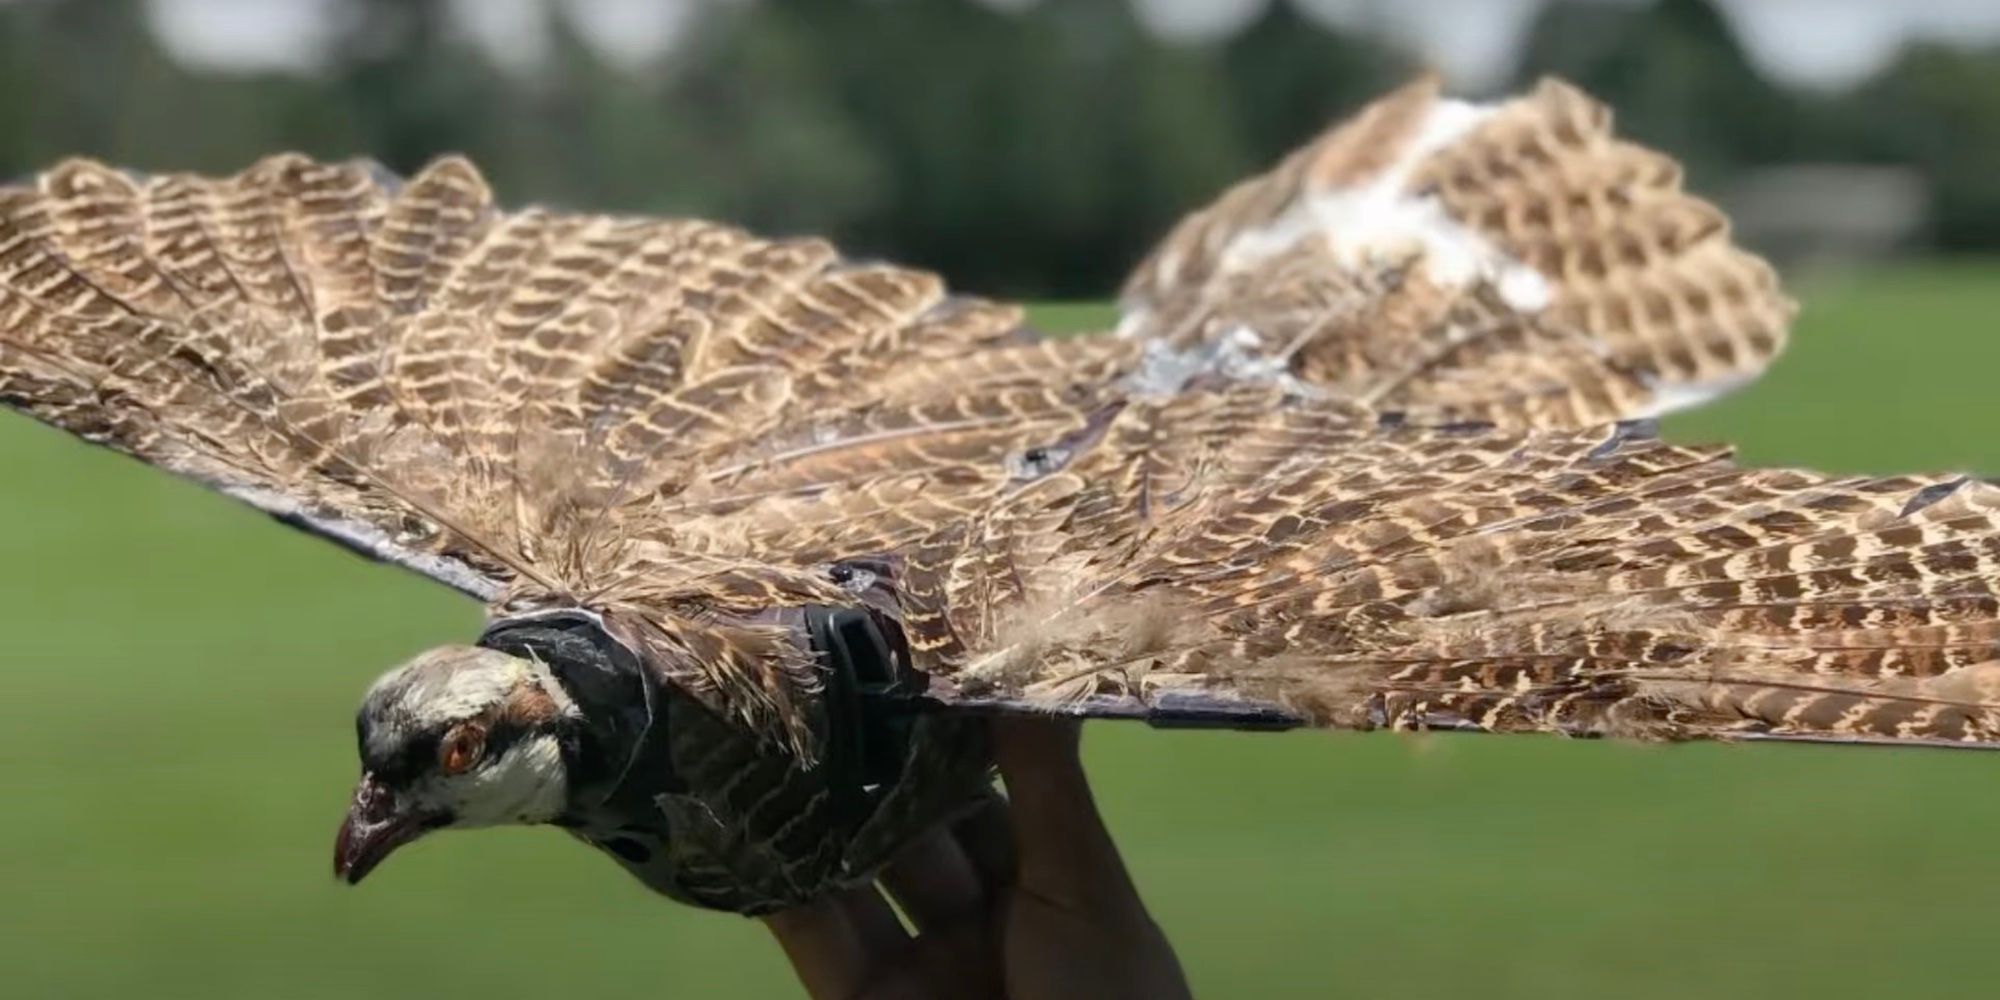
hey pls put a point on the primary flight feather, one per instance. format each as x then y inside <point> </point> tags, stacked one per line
<point>762,529</point>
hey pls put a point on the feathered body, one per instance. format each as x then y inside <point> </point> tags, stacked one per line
<point>1359,455</point>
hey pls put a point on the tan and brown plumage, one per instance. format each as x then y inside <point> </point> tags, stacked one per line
<point>1358,556</point>
<point>1351,460</point>
<point>530,407</point>
<point>1514,262</point>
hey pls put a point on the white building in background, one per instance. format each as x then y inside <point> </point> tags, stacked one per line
<point>1810,213</point>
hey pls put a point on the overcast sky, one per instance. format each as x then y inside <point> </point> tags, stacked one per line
<point>1816,42</point>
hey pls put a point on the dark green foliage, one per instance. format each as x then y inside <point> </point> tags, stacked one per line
<point>1676,74</point>
<point>1938,108</point>
<point>1031,153</point>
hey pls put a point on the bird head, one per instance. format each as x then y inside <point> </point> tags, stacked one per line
<point>460,736</point>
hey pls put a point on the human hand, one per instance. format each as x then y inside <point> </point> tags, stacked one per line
<point>1026,899</point>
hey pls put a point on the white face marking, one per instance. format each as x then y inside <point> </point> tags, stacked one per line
<point>526,784</point>
<point>458,694</point>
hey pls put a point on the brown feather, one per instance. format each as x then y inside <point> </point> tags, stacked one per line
<point>1512,262</point>
<point>1267,494</point>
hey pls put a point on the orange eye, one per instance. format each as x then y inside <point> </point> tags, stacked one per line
<point>461,748</point>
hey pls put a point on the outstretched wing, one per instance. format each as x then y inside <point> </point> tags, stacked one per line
<point>1368,477</point>
<point>1310,566</point>
<point>234,331</point>
<point>649,415</point>
<point>687,427</point>
<point>404,368</point>
<point>1512,262</point>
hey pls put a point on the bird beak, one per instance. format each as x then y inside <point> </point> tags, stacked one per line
<point>375,826</point>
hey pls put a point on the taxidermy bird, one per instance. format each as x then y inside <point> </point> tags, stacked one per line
<point>763,531</point>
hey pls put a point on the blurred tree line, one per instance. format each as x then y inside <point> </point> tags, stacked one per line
<point>1027,153</point>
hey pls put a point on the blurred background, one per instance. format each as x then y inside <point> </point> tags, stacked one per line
<point>1023,148</point>
<point>177,674</point>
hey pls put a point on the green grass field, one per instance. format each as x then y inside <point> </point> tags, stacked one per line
<point>178,678</point>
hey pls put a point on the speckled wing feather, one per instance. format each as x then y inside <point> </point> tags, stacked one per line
<point>230,330</point>
<point>1596,582</point>
<point>1512,262</point>
<point>1367,478</point>
<point>646,416</point>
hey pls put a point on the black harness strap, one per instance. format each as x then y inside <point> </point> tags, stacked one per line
<point>621,695</point>
<point>869,687</point>
<point>866,676</point>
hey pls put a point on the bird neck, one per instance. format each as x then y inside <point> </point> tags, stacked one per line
<point>616,740</point>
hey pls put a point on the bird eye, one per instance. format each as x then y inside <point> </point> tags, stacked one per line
<point>461,747</point>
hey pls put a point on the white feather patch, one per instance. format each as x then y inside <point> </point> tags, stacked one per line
<point>1382,222</point>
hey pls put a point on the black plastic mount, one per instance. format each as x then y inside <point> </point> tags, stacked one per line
<point>867,680</point>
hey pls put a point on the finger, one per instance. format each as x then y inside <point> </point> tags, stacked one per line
<point>935,882</point>
<point>1065,852</point>
<point>821,943</point>
<point>1036,743</point>
<point>875,924</point>
<point>986,835</point>
<point>837,943</point>
<point>962,962</point>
